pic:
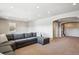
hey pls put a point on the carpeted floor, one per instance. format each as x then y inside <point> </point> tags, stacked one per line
<point>58,46</point>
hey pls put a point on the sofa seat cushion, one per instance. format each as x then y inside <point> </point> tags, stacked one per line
<point>18,36</point>
<point>25,41</point>
<point>31,38</point>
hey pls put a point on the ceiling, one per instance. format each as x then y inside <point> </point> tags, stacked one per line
<point>34,11</point>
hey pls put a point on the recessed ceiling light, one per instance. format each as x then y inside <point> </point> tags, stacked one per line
<point>6,17</point>
<point>39,15</point>
<point>29,18</point>
<point>11,7</point>
<point>37,6</point>
<point>48,12</point>
<point>74,3</point>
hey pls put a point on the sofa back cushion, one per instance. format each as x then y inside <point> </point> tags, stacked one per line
<point>18,36</point>
<point>34,34</point>
<point>27,35</point>
<point>10,37</point>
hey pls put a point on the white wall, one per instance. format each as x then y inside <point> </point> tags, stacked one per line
<point>72,32</point>
<point>42,26</point>
<point>45,25</point>
<point>20,26</point>
<point>71,29</point>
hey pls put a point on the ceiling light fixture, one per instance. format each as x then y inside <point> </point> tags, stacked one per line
<point>74,3</point>
<point>37,6</point>
<point>39,15</point>
<point>7,17</point>
<point>29,18</point>
<point>48,12</point>
<point>11,7</point>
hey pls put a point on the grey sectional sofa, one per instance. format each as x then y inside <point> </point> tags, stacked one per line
<point>25,39</point>
<point>21,40</point>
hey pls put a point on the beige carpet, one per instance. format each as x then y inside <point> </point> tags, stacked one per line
<point>59,46</point>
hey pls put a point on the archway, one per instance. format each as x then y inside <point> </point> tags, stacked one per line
<point>68,26</point>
